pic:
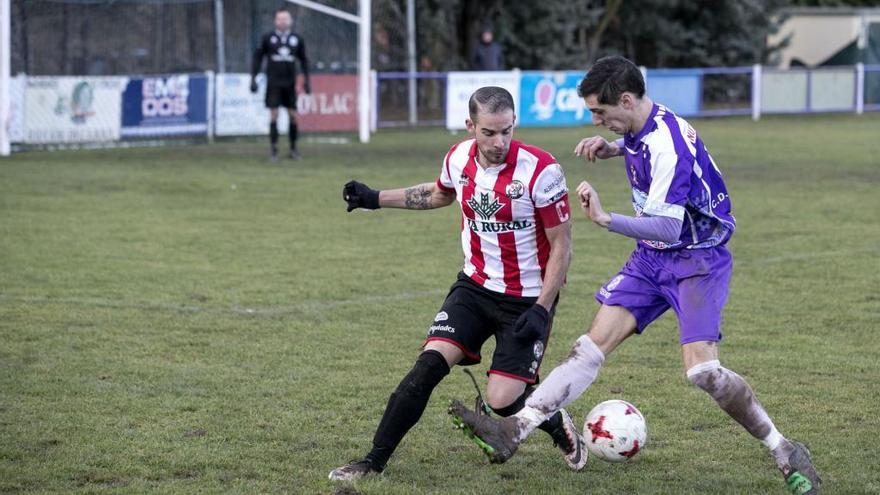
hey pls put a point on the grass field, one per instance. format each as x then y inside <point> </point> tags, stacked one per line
<point>197,320</point>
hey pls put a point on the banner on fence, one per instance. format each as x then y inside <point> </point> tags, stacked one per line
<point>72,109</point>
<point>679,90</point>
<point>332,106</point>
<point>461,85</point>
<point>551,99</point>
<point>174,105</point>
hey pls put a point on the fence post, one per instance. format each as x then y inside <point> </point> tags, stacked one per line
<point>756,92</point>
<point>220,33</point>
<point>411,62</point>
<point>860,88</point>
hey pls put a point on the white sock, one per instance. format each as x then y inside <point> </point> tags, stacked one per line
<point>773,439</point>
<point>563,385</point>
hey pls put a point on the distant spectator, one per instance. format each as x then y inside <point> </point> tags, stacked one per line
<point>487,54</point>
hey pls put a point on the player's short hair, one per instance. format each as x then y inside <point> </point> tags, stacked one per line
<point>609,77</point>
<point>282,9</point>
<point>492,99</point>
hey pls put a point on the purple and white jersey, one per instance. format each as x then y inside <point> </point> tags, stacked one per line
<point>672,175</point>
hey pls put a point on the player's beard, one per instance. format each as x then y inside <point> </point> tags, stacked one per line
<point>494,156</point>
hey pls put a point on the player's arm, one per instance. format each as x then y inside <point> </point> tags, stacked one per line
<point>558,262</point>
<point>257,63</point>
<point>304,64</point>
<point>595,147</point>
<point>663,212</point>
<point>550,194</point>
<point>425,196</point>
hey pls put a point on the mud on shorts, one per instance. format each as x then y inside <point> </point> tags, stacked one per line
<point>471,314</point>
<point>693,282</point>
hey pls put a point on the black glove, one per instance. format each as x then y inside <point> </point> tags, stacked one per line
<point>307,86</point>
<point>253,85</point>
<point>358,195</point>
<point>532,324</point>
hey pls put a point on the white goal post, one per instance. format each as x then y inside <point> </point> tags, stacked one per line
<point>364,21</point>
<point>5,81</point>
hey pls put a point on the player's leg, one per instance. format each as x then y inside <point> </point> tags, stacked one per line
<point>293,134</point>
<point>273,101</point>
<point>507,396</point>
<point>630,302</point>
<point>701,294</point>
<point>453,338</point>
<point>404,409</point>
<point>288,97</point>
<point>734,395</point>
<point>568,381</point>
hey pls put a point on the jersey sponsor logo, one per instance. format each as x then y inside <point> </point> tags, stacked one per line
<point>515,189</point>
<point>558,181</point>
<point>498,227</point>
<point>441,328</point>
<point>484,208</point>
<point>441,316</point>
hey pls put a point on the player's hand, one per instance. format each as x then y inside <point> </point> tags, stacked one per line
<point>532,324</point>
<point>595,147</point>
<point>307,86</point>
<point>358,195</point>
<point>589,200</point>
<point>253,85</point>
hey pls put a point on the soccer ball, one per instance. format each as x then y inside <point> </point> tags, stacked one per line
<point>615,431</point>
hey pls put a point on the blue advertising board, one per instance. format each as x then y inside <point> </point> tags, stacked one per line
<point>679,90</point>
<point>175,105</point>
<point>550,99</point>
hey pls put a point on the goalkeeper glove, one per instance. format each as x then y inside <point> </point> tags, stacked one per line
<point>532,324</point>
<point>358,195</point>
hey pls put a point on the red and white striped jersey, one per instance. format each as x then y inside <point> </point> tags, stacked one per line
<point>505,211</point>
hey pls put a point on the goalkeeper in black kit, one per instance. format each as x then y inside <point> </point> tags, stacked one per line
<point>281,47</point>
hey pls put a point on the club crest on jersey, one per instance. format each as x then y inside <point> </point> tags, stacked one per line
<point>484,208</point>
<point>515,189</point>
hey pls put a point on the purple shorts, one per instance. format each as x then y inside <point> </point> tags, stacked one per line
<point>693,282</point>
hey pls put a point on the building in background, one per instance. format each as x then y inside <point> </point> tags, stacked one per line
<point>822,36</point>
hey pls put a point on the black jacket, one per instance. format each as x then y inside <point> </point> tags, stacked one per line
<point>281,50</point>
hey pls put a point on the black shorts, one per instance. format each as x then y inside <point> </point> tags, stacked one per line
<point>280,96</point>
<point>471,314</point>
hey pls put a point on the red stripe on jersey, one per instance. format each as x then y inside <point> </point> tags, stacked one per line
<point>544,159</point>
<point>507,240</point>
<point>470,170</point>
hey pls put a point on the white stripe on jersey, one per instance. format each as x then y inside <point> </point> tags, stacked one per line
<point>519,233</point>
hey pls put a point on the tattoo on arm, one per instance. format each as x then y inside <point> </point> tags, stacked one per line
<point>417,198</point>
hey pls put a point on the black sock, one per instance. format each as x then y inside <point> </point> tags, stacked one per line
<point>551,425</point>
<point>406,405</point>
<point>273,135</point>
<point>294,134</point>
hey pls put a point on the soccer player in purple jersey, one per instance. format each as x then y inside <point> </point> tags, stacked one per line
<point>683,221</point>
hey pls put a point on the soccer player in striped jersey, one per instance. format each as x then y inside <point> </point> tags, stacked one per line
<point>516,238</point>
<point>683,221</point>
